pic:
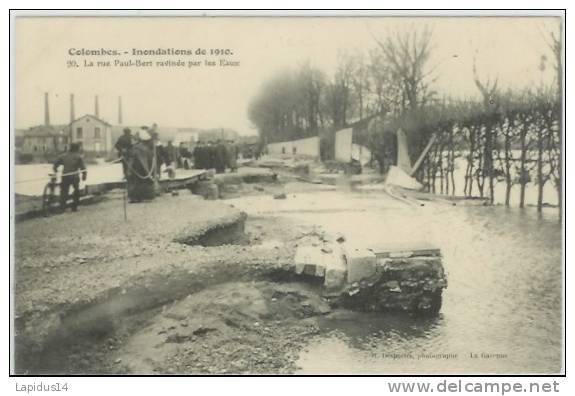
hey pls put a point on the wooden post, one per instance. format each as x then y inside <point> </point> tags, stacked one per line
<point>422,156</point>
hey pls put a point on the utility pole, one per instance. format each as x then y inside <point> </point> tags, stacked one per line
<point>72,110</point>
<point>96,107</point>
<point>119,110</point>
<point>46,109</point>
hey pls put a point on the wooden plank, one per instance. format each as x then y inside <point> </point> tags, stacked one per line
<point>407,249</point>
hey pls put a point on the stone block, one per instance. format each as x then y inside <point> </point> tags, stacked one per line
<point>336,271</point>
<point>361,264</point>
<point>313,260</point>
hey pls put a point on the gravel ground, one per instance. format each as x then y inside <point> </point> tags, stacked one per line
<point>76,270</point>
<point>233,328</point>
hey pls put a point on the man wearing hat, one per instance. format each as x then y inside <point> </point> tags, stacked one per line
<point>123,145</point>
<point>73,165</point>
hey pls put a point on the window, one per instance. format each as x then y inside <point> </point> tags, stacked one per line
<point>97,133</point>
<point>79,134</point>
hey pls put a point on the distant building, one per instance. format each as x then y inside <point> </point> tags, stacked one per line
<point>43,139</point>
<point>308,147</point>
<point>93,133</point>
<point>187,136</point>
<point>213,135</point>
<point>249,139</point>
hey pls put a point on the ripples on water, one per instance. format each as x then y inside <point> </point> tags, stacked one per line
<point>504,296</point>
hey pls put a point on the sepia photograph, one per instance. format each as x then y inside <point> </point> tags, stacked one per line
<point>360,194</point>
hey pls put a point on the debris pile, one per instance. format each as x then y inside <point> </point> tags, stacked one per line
<point>384,278</point>
<point>412,284</point>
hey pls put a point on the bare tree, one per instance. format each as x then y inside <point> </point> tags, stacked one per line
<point>338,100</point>
<point>488,89</point>
<point>553,40</point>
<point>408,54</point>
<point>360,83</point>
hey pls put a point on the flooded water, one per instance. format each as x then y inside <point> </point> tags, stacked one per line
<point>30,179</point>
<point>502,311</point>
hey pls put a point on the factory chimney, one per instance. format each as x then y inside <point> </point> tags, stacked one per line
<point>72,110</point>
<point>46,109</point>
<point>96,107</point>
<point>119,110</point>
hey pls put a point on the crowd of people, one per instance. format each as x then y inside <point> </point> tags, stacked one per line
<point>220,156</point>
<point>144,158</point>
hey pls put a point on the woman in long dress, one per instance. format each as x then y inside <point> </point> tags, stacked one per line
<point>142,168</point>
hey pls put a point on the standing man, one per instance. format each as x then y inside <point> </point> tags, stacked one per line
<point>73,165</point>
<point>232,156</point>
<point>199,155</point>
<point>221,158</point>
<point>123,145</point>
<point>172,154</point>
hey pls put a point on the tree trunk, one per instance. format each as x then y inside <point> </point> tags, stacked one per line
<point>488,153</point>
<point>508,180</point>
<point>522,170</point>
<point>540,179</point>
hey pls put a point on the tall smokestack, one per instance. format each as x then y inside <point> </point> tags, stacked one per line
<point>46,110</point>
<point>120,110</point>
<point>96,107</point>
<point>72,110</point>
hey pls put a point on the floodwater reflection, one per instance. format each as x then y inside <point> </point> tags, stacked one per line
<point>502,310</point>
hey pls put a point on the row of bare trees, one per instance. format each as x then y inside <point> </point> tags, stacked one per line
<point>391,78</point>
<point>512,139</point>
<point>506,137</point>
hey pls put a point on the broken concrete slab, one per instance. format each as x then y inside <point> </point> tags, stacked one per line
<point>411,268</point>
<point>361,264</point>
<point>404,277</point>
<point>399,250</point>
<point>309,260</point>
<point>336,271</point>
<point>323,261</point>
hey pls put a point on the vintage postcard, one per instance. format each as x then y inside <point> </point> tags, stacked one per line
<point>288,195</point>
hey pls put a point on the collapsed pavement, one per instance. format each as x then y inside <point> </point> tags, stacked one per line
<point>84,305</point>
<point>407,278</point>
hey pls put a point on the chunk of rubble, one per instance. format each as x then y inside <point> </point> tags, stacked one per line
<point>335,272</point>
<point>310,260</point>
<point>404,277</point>
<point>361,264</point>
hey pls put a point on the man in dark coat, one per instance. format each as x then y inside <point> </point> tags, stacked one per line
<point>73,165</point>
<point>221,157</point>
<point>199,154</point>
<point>232,156</point>
<point>172,154</point>
<point>123,145</point>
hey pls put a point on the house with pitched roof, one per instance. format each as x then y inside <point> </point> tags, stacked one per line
<point>93,133</point>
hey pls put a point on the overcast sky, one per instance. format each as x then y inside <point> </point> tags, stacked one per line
<point>507,48</point>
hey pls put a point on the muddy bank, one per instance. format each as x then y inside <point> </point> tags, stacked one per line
<point>93,290</point>
<point>86,281</point>
<point>95,262</point>
<point>239,327</point>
